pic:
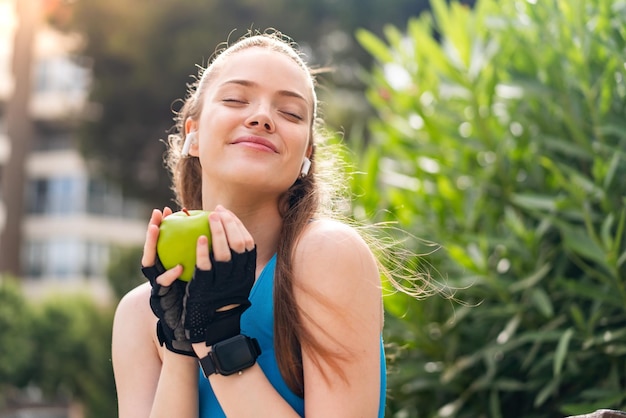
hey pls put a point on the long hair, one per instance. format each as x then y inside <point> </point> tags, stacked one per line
<point>298,206</point>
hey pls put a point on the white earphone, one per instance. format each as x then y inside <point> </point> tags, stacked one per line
<point>306,166</point>
<point>189,139</point>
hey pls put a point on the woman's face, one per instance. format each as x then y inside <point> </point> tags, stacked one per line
<point>256,118</point>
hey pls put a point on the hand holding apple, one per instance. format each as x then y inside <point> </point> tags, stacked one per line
<point>178,234</point>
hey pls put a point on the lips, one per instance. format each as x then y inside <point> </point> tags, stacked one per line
<point>256,142</point>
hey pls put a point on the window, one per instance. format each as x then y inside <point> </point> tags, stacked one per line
<point>65,195</point>
<point>96,259</point>
<point>65,257</point>
<point>34,260</point>
<point>103,199</point>
<point>61,196</point>
<point>56,196</point>
<point>37,195</point>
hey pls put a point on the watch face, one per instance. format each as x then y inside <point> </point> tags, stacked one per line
<point>233,355</point>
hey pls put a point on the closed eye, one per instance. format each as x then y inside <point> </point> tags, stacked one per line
<point>292,115</point>
<point>230,100</point>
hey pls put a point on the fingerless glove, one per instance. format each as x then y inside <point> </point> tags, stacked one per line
<point>207,315</point>
<point>167,304</point>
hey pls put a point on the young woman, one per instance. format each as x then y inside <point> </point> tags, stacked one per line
<point>283,317</point>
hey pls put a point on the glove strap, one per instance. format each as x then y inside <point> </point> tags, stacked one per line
<point>178,347</point>
<point>154,271</point>
<point>225,324</point>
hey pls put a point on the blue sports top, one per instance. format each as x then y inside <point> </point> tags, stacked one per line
<point>258,322</point>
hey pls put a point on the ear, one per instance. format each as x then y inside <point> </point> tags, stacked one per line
<point>192,126</point>
<point>309,151</point>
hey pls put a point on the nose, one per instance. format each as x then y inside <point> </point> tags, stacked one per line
<point>261,119</point>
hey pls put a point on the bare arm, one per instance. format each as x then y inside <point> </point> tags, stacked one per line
<point>133,350</point>
<point>340,292</point>
<point>333,262</point>
<point>150,380</point>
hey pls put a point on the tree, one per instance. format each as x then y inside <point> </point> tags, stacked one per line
<point>144,54</point>
<point>20,133</point>
<point>502,139</point>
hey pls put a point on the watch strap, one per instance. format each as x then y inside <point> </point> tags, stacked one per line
<point>255,347</point>
<point>207,364</point>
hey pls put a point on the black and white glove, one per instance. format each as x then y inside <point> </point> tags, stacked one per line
<point>208,315</point>
<point>167,304</point>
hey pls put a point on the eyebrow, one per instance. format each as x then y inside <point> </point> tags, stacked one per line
<point>248,83</point>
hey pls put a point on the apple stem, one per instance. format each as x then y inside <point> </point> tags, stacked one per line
<point>186,211</point>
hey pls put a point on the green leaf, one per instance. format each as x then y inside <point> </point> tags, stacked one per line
<point>531,280</point>
<point>495,406</point>
<point>543,303</point>
<point>509,385</point>
<point>613,165</point>
<point>567,148</point>
<point>578,317</point>
<point>577,240</point>
<point>591,291</point>
<point>621,259</point>
<point>534,202</point>
<point>374,45</point>
<point>561,351</point>
<point>605,231</point>
<point>548,390</point>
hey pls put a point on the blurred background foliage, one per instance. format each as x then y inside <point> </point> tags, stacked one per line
<point>58,348</point>
<point>144,54</point>
<point>502,140</point>
<point>496,132</point>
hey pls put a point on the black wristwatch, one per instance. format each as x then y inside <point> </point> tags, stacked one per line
<point>231,356</point>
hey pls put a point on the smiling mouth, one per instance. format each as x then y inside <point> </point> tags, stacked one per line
<point>256,142</point>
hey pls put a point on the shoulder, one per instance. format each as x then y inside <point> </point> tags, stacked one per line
<point>332,258</point>
<point>133,314</point>
<point>135,302</point>
<point>326,237</point>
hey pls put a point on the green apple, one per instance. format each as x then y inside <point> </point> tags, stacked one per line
<point>178,235</point>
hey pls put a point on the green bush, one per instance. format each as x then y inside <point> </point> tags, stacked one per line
<point>60,345</point>
<point>73,361</point>
<point>500,135</point>
<point>16,347</point>
<point>124,271</point>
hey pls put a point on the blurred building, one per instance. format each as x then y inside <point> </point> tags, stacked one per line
<point>72,220</point>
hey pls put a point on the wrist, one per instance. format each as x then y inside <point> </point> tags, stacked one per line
<point>201,349</point>
<point>230,356</point>
<point>178,360</point>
